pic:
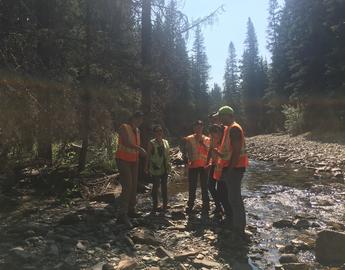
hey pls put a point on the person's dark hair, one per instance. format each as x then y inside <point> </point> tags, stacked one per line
<point>198,123</point>
<point>137,114</point>
<point>156,127</point>
<point>216,128</point>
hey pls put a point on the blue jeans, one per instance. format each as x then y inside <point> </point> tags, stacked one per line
<point>233,178</point>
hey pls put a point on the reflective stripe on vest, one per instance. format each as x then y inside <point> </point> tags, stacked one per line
<point>225,150</point>
<point>126,153</point>
<point>198,153</point>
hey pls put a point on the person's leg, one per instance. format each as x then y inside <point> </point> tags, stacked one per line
<point>192,181</point>
<point>133,193</point>
<point>164,187</point>
<point>212,188</point>
<point>204,189</point>
<point>222,195</point>
<point>155,180</point>
<point>126,187</point>
<point>233,184</point>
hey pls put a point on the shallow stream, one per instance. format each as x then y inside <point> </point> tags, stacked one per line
<point>274,192</point>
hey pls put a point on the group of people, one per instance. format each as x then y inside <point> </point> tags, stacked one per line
<point>218,161</point>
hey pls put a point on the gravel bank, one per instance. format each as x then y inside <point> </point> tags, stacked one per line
<point>326,159</point>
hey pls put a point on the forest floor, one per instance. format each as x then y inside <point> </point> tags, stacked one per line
<point>287,206</point>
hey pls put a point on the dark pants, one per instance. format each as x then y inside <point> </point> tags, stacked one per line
<point>219,194</point>
<point>193,175</point>
<point>212,187</point>
<point>160,180</point>
<point>129,180</point>
<point>233,179</point>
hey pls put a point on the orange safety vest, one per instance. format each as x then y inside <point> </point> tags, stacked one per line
<point>198,152</point>
<point>225,150</point>
<point>126,153</point>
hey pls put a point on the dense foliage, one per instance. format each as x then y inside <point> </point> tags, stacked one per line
<point>72,71</point>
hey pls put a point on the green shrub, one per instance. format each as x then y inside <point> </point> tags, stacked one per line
<point>294,119</point>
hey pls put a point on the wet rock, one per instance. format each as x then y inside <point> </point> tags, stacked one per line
<point>330,247</point>
<point>144,236</point>
<point>206,263</point>
<point>127,264</point>
<point>288,258</point>
<point>304,242</point>
<point>288,249</point>
<point>296,266</point>
<point>282,223</point>
<point>301,224</point>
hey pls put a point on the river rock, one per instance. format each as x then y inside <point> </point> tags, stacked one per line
<point>330,247</point>
<point>288,258</point>
<point>296,266</point>
<point>127,264</point>
<point>301,224</point>
<point>206,263</point>
<point>144,236</point>
<point>282,223</point>
<point>185,255</point>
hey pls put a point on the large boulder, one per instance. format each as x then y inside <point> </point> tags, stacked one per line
<point>330,247</point>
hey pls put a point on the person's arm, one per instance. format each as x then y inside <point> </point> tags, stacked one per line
<point>235,136</point>
<point>147,160</point>
<point>169,158</point>
<point>185,150</point>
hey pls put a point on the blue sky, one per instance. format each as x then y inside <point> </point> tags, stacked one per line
<point>229,26</point>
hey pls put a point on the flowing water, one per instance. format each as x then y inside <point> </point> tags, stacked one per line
<point>274,192</point>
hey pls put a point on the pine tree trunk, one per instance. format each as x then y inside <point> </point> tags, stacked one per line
<point>44,50</point>
<point>146,95</point>
<point>86,96</point>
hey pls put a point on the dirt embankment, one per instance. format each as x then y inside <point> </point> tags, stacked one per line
<point>326,159</point>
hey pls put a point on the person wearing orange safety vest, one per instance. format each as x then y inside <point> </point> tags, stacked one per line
<point>196,150</point>
<point>217,188</point>
<point>231,165</point>
<point>127,160</point>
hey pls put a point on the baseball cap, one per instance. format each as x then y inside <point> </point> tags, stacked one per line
<point>225,110</point>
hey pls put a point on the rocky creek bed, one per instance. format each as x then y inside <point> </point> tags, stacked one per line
<point>294,218</point>
<point>327,160</point>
